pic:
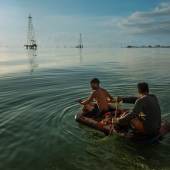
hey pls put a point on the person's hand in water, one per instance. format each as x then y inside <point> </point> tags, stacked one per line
<point>79,101</point>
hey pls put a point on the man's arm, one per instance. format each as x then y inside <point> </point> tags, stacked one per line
<point>126,119</point>
<point>130,100</point>
<point>110,97</point>
<point>131,115</point>
<point>89,100</point>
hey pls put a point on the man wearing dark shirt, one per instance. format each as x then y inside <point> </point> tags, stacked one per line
<point>145,117</point>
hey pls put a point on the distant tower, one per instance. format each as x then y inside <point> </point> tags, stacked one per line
<point>31,42</point>
<point>80,42</point>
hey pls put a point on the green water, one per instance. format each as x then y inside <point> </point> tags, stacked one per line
<point>37,108</point>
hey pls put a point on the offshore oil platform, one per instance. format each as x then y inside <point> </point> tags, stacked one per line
<point>80,45</point>
<point>31,42</point>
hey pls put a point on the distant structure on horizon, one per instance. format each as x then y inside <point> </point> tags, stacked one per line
<point>80,42</point>
<point>31,42</point>
<point>149,46</point>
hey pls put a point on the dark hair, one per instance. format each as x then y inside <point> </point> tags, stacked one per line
<point>143,87</point>
<point>95,81</point>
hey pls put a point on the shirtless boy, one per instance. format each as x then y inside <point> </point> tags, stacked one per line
<point>100,96</point>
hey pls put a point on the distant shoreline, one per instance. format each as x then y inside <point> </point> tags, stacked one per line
<point>149,46</point>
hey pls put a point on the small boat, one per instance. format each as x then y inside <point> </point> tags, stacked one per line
<point>99,124</point>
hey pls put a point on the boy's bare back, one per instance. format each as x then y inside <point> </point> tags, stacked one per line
<point>102,98</point>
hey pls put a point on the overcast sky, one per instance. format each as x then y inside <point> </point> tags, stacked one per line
<point>103,23</point>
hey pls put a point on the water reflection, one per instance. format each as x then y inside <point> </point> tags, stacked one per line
<point>81,55</point>
<point>32,54</point>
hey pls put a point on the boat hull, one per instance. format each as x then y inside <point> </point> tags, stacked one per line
<point>110,130</point>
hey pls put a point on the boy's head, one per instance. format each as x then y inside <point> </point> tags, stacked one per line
<point>95,83</point>
<point>143,88</point>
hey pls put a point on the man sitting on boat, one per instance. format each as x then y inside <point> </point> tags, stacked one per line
<point>145,117</point>
<point>100,96</point>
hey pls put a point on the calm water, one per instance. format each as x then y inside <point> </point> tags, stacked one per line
<point>37,108</point>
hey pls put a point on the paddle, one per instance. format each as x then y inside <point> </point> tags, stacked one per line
<point>115,116</point>
<point>116,105</point>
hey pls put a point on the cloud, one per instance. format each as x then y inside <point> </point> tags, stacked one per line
<point>156,21</point>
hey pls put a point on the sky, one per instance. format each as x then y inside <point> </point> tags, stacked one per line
<point>103,23</point>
